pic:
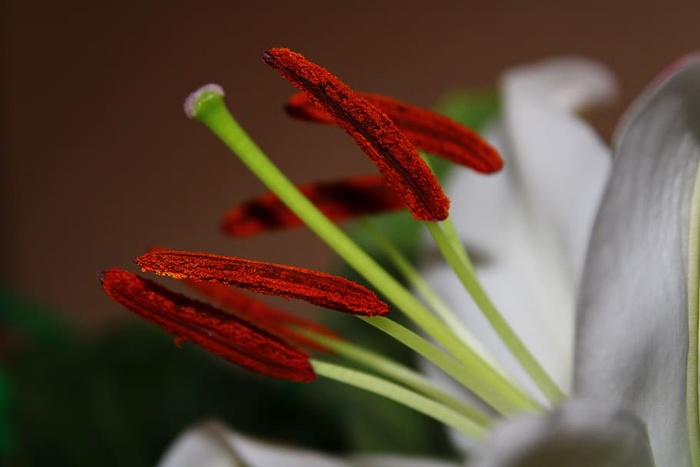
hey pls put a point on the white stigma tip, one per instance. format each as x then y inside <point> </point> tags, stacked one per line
<point>190,105</point>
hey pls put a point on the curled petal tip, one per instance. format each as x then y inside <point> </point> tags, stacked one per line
<point>194,100</point>
<point>677,65</point>
<point>569,83</point>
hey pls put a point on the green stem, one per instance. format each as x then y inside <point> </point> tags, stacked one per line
<point>465,272</point>
<point>209,109</point>
<point>398,372</point>
<point>399,394</point>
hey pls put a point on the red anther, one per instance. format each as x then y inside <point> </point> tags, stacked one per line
<point>214,330</point>
<point>318,288</point>
<point>371,129</point>
<point>425,129</point>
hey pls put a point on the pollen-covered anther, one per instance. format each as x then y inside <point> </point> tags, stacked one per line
<point>318,288</point>
<point>425,129</point>
<point>371,129</point>
<point>277,322</point>
<point>339,200</point>
<point>212,329</point>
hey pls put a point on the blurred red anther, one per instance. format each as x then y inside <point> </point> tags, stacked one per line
<point>425,129</point>
<point>339,201</point>
<point>371,129</point>
<point>214,330</point>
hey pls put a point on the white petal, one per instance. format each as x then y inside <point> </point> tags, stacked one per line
<point>577,434</point>
<point>565,83</point>
<point>211,444</point>
<point>393,461</point>
<point>632,319</point>
<point>527,227</point>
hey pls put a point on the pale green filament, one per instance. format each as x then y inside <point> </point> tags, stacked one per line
<point>451,232</point>
<point>693,287</point>
<point>399,394</point>
<point>398,372</point>
<point>210,110</point>
<point>434,301</point>
<point>479,378</point>
<point>456,242</point>
<point>465,272</point>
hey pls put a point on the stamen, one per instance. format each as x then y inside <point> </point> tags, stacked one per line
<point>212,112</point>
<point>425,129</point>
<point>371,129</point>
<point>464,271</point>
<point>257,312</point>
<point>211,329</point>
<point>339,201</point>
<point>324,290</point>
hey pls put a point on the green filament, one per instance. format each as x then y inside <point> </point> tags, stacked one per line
<point>208,108</point>
<point>488,385</point>
<point>434,301</point>
<point>399,394</point>
<point>399,373</point>
<point>466,275</point>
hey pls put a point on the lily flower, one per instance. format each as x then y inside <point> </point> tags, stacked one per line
<point>541,371</point>
<point>635,315</point>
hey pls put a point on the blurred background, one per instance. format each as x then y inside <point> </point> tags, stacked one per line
<point>99,161</point>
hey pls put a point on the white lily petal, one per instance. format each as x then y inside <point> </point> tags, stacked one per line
<point>632,330</point>
<point>561,167</point>
<point>567,83</point>
<point>577,434</point>
<point>211,444</point>
<point>395,461</point>
<point>527,227</point>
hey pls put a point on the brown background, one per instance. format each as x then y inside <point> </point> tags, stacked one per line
<point>98,160</point>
